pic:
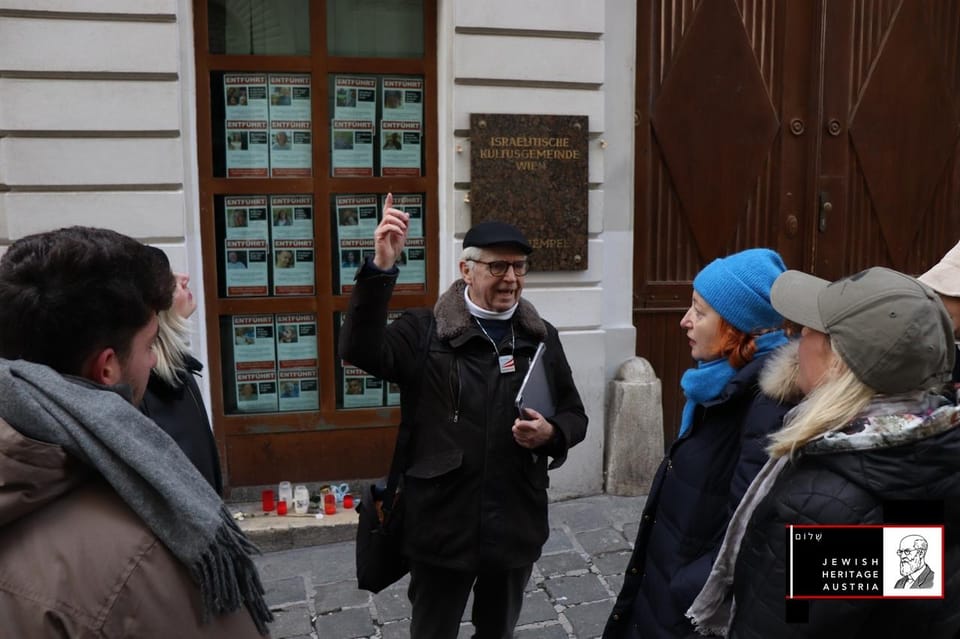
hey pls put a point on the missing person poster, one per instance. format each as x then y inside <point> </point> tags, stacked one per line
<point>400,148</point>
<point>291,145</point>
<point>355,98</point>
<point>403,99</point>
<point>356,216</point>
<point>291,137</point>
<point>291,216</point>
<point>246,267</point>
<point>412,205</point>
<point>293,267</point>
<point>245,96</point>
<point>253,346</point>
<point>357,389</point>
<point>412,265</point>
<point>245,124</point>
<point>296,340</point>
<point>289,96</point>
<point>254,355</point>
<point>256,391</point>
<point>247,150</point>
<point>412,262</point>
<point>297,361</point>
<point>293,245</point>
<point>299,389</point>
<point>361,390</point>
<point>352,153</point>
<point>350,255</point>
<point>246,245</point>
<point>246,217</point>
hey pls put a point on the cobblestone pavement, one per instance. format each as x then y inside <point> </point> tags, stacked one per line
<point>312,591</point>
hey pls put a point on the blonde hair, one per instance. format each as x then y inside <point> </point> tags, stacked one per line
<point>171,346</point>
<point>828,407</point>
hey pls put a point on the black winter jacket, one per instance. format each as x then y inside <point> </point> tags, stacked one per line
<point>181,414</point>
<point>825,485</point>
<point>474,497</point>
<point>697,487</point>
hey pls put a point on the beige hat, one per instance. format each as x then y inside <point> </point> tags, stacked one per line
<point>944,277</point>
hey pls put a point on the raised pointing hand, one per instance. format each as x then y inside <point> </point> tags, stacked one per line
<point>390,236</point>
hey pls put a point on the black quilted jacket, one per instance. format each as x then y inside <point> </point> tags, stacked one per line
<point>181,413</point>
<point>825,486</point>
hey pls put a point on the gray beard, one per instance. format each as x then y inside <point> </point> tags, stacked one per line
<point>907,567</point>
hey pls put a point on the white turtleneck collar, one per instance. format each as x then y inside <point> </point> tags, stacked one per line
<point>483,313</point>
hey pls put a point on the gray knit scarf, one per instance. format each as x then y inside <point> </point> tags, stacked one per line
<point>149,472</point>
<point>712,611</point>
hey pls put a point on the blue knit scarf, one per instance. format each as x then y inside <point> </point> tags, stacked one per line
<point>708,379</point>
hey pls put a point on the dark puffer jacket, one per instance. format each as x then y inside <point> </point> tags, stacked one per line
<point>697,487</point>
<point>832,485</point>
<point>181,414</point>
<point>474,497</point>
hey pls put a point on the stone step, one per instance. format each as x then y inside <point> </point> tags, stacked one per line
<point>272,532</point>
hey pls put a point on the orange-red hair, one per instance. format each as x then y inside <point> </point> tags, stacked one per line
<point>738,347</point>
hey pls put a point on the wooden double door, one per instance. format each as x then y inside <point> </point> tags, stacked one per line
<point>828,130</point>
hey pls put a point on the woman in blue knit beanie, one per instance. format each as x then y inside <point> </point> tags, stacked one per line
<point>732,330</point>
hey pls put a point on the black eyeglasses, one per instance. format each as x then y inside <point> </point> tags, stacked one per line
<point>498,268</point>
<point>908,551</point>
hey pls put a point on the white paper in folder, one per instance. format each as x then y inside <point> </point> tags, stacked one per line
<point>535,391</point>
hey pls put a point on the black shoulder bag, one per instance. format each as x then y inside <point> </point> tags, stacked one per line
<point>380,560</point>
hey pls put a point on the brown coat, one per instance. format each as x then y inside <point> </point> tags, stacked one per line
<point>75,561</point>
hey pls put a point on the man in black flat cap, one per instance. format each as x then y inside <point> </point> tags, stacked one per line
<point>475,483</point>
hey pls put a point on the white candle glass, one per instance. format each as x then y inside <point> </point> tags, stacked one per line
<point>301,499</point>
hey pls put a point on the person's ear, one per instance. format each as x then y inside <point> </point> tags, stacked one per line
<point>466,272</point>
<point>104,368</point>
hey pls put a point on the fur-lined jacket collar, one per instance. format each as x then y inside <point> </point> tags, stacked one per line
<point>779,378</point>
<point>887,420</point>
<point>454,319</point>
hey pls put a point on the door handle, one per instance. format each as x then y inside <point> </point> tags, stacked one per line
<point>826,206</point>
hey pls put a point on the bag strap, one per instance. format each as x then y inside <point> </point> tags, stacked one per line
<point>408,412</point>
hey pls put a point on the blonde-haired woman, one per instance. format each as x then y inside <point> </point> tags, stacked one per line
<point>173,398</point>
<point>873,442</point>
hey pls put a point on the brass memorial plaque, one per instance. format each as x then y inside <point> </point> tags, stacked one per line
<point>531,171</point>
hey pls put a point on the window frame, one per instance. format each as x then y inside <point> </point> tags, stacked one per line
<point>329,424</point>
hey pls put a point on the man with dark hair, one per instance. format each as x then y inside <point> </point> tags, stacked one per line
<point>76,300</point>
<point>106,528</point>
